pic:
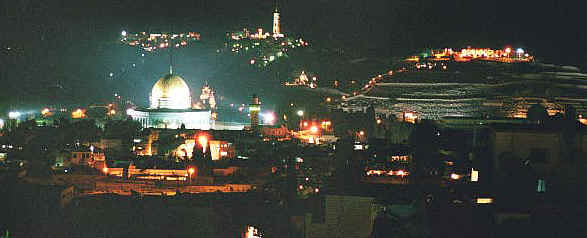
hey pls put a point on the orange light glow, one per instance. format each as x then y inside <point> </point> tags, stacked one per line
<point>413,59</point>
<point>455,176</point>
<point>484,200</point>
<point>379,121</point>
<point>79,113</point>
<point>191,171</point>
<point>314,129</point>
<point>252,232</point>
<point>410,117</point>
<point>105,170</point>
<point>203,141</point>
<point>401,173</point>
<point>361,133</point>
<point>375,172</point>
<point>45,111</point>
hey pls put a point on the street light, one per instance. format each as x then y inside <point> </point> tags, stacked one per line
<point>300,113</point>
<point>191,172</point>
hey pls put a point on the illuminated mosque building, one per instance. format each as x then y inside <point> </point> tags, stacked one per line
<point>171,106</point>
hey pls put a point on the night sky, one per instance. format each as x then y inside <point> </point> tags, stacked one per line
<point>65,49</point>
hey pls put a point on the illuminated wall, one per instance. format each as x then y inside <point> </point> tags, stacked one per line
<point>173,120</point>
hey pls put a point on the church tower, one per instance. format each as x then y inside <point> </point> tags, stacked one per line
<point>276,21</point>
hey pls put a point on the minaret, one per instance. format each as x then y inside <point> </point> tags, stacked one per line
<point>276,20</point>
<point>254,109</point>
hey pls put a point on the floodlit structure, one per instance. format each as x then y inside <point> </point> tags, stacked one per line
<point>276,32</point>
<point>254,109</point>
<point>171,92</point>
<point>171,107</point>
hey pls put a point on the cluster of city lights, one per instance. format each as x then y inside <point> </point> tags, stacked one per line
<point>304,81</point>
<point>150,42</point>
<point>506,55</point>
<point>374,172</point>
<point>263,49</point>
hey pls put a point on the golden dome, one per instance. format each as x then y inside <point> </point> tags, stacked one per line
<point>171,92</point>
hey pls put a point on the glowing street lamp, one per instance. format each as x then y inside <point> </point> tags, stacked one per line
<point>191,172</point>
<point>123,33</point>
<point>300,113</point>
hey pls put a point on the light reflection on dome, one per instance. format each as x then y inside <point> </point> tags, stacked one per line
<point>171,92</point>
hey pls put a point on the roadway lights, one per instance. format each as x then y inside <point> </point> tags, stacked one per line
<point>300,113</point>
<point>123,33</point>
